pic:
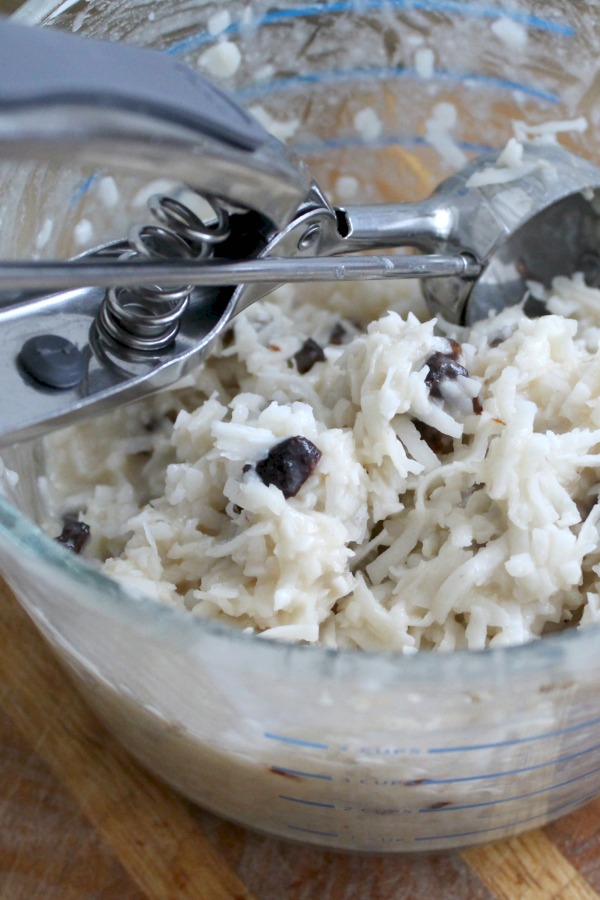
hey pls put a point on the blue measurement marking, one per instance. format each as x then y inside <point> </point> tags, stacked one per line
<point>552,787</point>
<point>301,774</point>
<point>469,10</point>
<point>450,6</point>
<point>577,801</point>
<point>306,802</point>
<point>332,834</point>
<point>550,762</point>
<point>83,188</point>
<point>379,73</point>
<point>569,729</point>
<point>315,745</point>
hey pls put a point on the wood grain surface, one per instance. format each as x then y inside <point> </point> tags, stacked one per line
<point>79,820</point>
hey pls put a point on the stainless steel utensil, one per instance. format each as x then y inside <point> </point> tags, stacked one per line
<point>77,348</point>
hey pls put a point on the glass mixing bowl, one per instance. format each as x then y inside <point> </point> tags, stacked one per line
<point>360,751</point>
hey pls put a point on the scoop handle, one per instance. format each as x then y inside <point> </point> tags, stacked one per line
<point>42,66</point>
<point>71,99</point>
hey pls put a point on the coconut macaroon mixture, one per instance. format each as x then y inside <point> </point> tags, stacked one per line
<point>350,473</point>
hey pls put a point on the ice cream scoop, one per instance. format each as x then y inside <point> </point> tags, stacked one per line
<point>135,315</point>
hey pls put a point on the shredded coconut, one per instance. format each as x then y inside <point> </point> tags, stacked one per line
<point>454,504</point>
<point>44,234</point>
<point>509,166</point>
<point>347,187</point>
<point>511,33</point>
<point>8,479</point>
<point>438,132</point>
<point>222,60</point>
<point>219,22</point>
<point>282,129</point>
<point>108,191</point>
<point>546,132</point>
<point>83,232</point>
<point>368,124</point>
<point>79,20</point>
<point>425,62</point>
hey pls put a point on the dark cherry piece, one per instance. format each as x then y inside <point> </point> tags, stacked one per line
<point>74,535</point>
<point>309,353</point>
<point>288,464</point>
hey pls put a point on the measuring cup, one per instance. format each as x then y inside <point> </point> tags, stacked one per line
<point>351,750</point>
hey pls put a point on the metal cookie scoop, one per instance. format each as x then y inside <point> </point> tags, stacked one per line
<point>75,348</point>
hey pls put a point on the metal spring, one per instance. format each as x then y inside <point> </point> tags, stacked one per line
<point>147,318</point>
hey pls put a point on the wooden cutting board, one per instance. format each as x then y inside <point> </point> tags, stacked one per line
<point>79,820</point>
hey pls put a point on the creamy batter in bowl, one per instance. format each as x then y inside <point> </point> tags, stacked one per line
<point>349,749</point>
